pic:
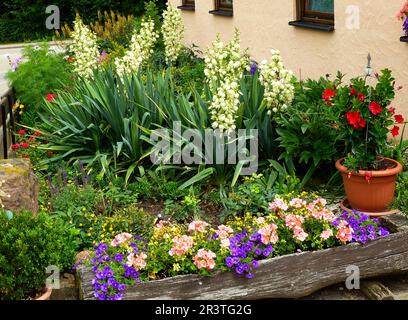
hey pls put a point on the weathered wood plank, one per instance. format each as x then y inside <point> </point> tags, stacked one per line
<point>375,290</point>
<point>290,276</point>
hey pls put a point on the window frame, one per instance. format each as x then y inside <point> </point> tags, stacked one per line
<point>188,3</point>
<point>219,6</point>
<point>321,18</point>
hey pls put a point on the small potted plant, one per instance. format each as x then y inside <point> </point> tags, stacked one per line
<point>364,118</point>
<point>403,16</point>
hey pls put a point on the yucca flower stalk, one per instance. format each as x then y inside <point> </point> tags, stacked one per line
<point>173,33</point>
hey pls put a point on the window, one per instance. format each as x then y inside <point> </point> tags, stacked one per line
<point>187,5</point>
<point>225,5</point>
<point>318,11</point>
<point>223,8</point>
<point>316,14</point>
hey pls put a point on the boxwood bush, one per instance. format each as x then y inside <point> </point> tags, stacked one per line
<point>28,245</point>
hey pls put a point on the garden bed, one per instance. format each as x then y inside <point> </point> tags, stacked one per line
<point>290,276</point>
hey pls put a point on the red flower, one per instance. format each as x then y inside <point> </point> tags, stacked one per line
<point>328,94</point>
<point>50,97</point>
<point>355,120</point>
<point>37,133</point>
<point>395,131</point>
<point>368,175</point>
<point>392,110</point>
<point>22,132</point>
<point>32,138</point>
<point>361,97</point>
<point>25,145</point>
<point>25,157</point>
<point>15,146</point>
<point>399,118</point>
<point>375,108</point>
<point>353,91</point>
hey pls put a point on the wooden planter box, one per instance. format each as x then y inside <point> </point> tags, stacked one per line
<point>291,276</point>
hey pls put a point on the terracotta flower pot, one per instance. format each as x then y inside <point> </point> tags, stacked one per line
<point>370,191</point>
<point>46,295</point>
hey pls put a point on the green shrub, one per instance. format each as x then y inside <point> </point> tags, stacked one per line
<point>42,72</point>
<point>28,245</point>
<point>306,132</point>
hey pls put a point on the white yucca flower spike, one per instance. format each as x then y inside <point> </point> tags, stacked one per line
<point>278,85</point>
<point>224,67</point>
<point>140,49</point>
<point>173,33</point>
<point>85,48</point>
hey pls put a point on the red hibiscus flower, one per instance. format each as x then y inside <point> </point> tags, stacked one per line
<point>361,97</point>
<point>395,131</point>
<point>25,145</point>
<point>368,175</point>
<point>355,120</point>
<point>50,97</point>
<point>399,118</point>
<point>328,94</point>
<point>375,108</point>
<point>392,110</point>
<point>22,132</point>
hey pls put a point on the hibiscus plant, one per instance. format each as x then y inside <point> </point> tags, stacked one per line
<point>364,118</point>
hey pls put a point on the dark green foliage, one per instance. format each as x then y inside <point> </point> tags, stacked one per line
<point>28,246</point>
<point>23,20</point>
<point>306,131</point>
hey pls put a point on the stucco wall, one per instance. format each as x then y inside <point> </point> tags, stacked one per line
<point>310,53</point>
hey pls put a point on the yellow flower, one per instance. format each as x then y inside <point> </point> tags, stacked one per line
<point>88,234</point>
<point>176,267</point>
<point>80,224</point>
<point>84,209</point>
<point>21,106</point>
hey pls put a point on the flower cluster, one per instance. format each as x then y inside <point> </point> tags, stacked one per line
<point>18,107</point>
<point>13,63</point>
<point>26,145</point>
<point>299,213</point>
<point>224,106</point>
<point>173,33</point>
<point>403,15</point>
<point>224,67</point>
<point>246,249</point>
<point>278,83</point>
<point>117,266</point>
<point>355,226</point>
<point>181,245</point>
<point>140,49</point>
<point>85,49</point>
<point>204,259</point>
<point>294,224</point>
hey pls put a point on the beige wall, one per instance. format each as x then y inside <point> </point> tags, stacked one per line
<point>310,53</point>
